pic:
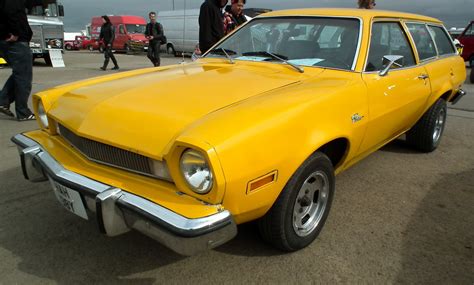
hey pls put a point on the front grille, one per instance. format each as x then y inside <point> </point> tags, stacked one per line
<point>106,154</point>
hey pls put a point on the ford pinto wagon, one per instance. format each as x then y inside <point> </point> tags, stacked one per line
<point>256,129</point>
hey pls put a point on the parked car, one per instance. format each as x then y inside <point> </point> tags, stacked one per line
<point>181,28</point>
<point>467,39</point>
<point>127,29</point>
<point>80,42</point>
<point>257,129</point>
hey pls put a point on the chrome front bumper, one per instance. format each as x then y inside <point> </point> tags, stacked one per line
<point>118,211</point>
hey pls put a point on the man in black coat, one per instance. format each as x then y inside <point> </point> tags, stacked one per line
<point>211,23</point>
<point>154,33</point>
<point>107,36</point>
<point>15,35</point>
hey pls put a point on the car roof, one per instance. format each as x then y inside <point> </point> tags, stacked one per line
<point>366,14</point>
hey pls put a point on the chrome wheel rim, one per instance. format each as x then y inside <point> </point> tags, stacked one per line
<point>310,204</point>
<point>439,125</point>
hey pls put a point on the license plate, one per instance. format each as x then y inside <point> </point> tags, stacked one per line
<point>70,199</point>
<point>145,48</point>
<point>36,50</point>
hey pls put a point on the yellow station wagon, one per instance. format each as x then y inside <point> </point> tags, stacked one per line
<point>256,129</point>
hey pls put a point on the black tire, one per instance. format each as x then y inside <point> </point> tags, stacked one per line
<point>47,59</point>
<point>278,227</point>
<point>68,47</point>
<point>90,48</point>
<point>170,50</point>
<point>471,61</point>
<point>427,132</point>
<point>472,75</point>
<point>127,49</point>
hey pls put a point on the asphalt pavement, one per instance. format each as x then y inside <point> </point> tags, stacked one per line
<point>399,216</point>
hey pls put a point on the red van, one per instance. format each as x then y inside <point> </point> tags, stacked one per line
<point>467,39</point>
<point>129,30</point>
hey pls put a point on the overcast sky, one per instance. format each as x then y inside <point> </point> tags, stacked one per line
<point>455,13</point>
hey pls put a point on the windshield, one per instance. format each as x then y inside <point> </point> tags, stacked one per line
<point>306,41</point>
<point>47,8</point>
<point>135,29</point>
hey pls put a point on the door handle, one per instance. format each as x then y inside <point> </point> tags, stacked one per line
<point>423,76</point>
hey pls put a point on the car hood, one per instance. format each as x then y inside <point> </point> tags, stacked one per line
<point>138,37</point>
<point>144,113</point>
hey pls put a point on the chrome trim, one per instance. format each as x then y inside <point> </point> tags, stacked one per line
<point>461,93</point>
<point>149,160</point>
<point>119,211</point>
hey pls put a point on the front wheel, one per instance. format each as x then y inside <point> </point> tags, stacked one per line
<point>301,210</point>
<point>427,132</point>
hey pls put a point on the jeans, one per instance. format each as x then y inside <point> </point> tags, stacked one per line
<point>18,86</point>
<point>154,52</point>
<point>109,55</point>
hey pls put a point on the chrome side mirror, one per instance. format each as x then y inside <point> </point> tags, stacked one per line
<point>389,61</point>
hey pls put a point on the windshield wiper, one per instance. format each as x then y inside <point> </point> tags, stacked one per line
<point>281,58</point>
<point>225,52</point>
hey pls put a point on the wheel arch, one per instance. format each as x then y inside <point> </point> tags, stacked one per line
<point>336,150</point>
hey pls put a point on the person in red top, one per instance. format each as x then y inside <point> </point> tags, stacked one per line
<point>367,4</point>
<point>234,16</point>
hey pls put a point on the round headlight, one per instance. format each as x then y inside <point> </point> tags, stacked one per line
<point>42,115</point>
<point>196,171</point>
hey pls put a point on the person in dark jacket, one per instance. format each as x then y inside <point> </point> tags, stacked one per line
<point>211,23</point>
<point>107,36</point>
<point>154,33</point>
<point>15,35</point>
<point>234,15</point>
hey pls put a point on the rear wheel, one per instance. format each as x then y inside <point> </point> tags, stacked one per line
<point>47,59</point>
<point>301,210</point>
<point>68,47</point>
<point>427,132</point>
<point>170,50</point>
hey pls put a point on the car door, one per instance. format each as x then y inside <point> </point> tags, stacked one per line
<point>120,37</point>
<point>396,99</point>
<point>467,39</point>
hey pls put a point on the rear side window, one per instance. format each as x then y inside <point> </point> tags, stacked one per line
<point>423,42</point>
<point>442,40</point>
<point>469,31</point>
<point>388,38</point>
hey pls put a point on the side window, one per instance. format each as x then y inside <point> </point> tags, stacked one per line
<point>423,42</point>
<point>442,40</point>
<point>388,38</point>
<point>469,31</point>
<point>121,30</point>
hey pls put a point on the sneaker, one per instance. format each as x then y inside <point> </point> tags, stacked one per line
<point>115,68</point>
<point>29,118</point>
<point>5,110</point>
<point>103,68</point>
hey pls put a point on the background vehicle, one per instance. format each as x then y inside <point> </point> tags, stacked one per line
<point>77,43</point>
<point>128,30</point>
<point>45,19</point>
<point>181,29</point>
<point>467,39</point>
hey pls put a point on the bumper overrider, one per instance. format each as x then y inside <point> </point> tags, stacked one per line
<point>118,211</point>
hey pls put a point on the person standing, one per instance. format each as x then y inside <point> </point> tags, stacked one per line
<point>234,15</point>
<point>15,35</point>
<point>367,4</point>
<point>211,23</point>
<point>154,33</point>
<point>107,36</point>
